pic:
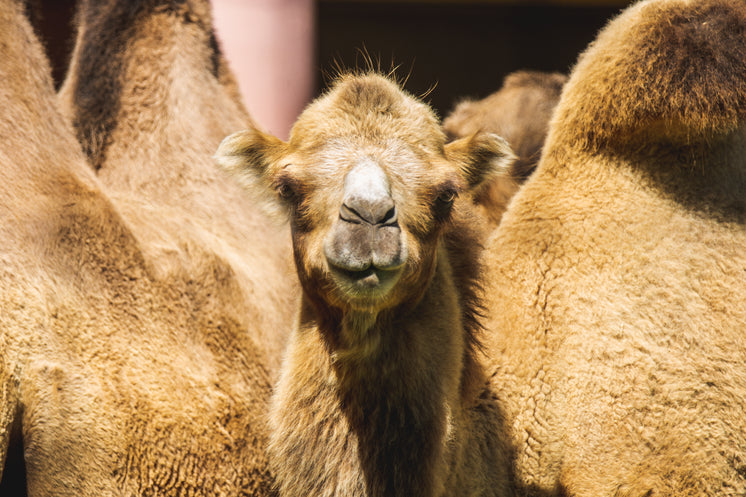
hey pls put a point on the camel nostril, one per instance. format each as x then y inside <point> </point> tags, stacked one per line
<point>371,211</point>
<point>390,217</point>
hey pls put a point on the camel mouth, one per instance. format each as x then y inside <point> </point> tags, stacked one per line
<point>367,278</point>
<point>366,284</point>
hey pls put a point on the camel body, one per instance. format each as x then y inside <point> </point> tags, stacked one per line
<point>616,280</point>
<point>139,342</point>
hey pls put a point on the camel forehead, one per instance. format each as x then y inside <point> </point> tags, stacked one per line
<point>371,107</point>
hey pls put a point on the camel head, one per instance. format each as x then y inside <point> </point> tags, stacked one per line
<point>369,184</point>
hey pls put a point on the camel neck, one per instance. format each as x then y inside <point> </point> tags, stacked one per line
<point>386,414</point>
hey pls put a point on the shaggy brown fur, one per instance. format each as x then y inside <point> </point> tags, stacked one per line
<point>125,56</point>
<point>382,391</point>
<point>137,318</point>
<point>519,112</point>
<point>151,97</point>
<point>617,277</point>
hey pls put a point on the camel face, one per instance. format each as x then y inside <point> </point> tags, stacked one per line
<point>363,237</point>
<point>368,183</point>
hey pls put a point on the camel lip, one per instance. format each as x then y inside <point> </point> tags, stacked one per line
<point>367,283</point>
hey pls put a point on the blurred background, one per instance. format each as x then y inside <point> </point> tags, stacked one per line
<point>285,52</point>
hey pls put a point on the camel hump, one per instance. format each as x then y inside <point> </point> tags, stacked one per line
<point>664,71</point>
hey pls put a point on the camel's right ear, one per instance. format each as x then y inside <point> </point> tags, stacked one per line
<point>253,158</point>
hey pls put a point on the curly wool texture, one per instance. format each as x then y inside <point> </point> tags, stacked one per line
<point>616,278</point>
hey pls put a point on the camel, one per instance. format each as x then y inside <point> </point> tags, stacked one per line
<point>616,280</point>
<point>140,289</point>
<point>151,97</point>
<point>519,112</point>
<point>382,388</point>
<point>613,289</point>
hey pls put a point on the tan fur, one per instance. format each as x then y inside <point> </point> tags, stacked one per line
<point>141,308</point>
<point>381,394</point>
<point>617,278</point>
<point>519,112</point>
<point>150,96</point>
<point>163,81</point>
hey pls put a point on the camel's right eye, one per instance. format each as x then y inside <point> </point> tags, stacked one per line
<point>285,191</point>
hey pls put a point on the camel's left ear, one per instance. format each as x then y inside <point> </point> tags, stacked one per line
<point>481,158</point>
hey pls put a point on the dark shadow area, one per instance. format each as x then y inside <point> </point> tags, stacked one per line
<point>13,483</point>
<point>466,49</point>
<point>463,49</point>
<point>53,23</point>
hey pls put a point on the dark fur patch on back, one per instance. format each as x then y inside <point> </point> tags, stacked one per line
<point>666,71</point>
<point>97,98</point>
<point>109,28</point>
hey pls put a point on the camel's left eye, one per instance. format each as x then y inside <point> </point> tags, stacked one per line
<point>447,196</point>
<point>444,202</point>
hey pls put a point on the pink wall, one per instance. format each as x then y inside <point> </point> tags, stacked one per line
<point>270,47</point>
